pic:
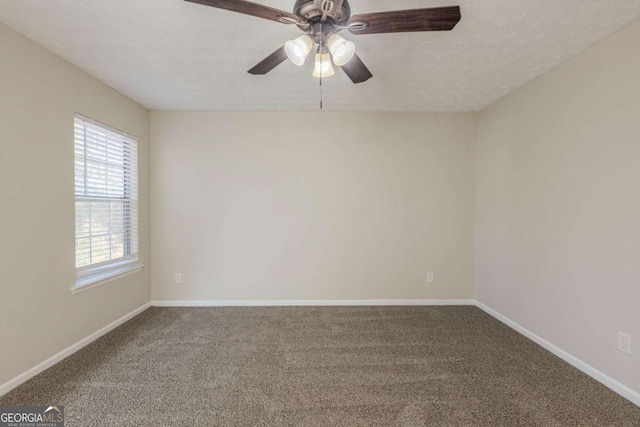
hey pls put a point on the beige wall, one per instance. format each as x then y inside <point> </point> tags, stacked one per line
<point>312,206</point>
<point>39,94</point>
<point>558,205</point>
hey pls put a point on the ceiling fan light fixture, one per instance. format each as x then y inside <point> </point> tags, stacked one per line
<point>298,49</point>
<point>341,50</point>
<point>323,67</point>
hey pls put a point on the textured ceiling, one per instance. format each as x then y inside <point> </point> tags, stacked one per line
<point>170,54</point>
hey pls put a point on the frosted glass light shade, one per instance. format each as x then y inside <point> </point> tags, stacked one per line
<point>341,50</point>
<point>298,49</point>
<point>323,66</point>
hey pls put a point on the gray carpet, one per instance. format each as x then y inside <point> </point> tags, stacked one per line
<point>321,366</point>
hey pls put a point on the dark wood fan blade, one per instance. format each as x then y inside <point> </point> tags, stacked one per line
<point>248,8</point>
<point>400,21</point>
<point>270,62</point>
<point>356,70</point>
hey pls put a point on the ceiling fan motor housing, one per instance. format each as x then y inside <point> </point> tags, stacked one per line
<point>309,11</point>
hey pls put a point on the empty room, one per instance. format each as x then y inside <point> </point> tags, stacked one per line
<point>319,213</point>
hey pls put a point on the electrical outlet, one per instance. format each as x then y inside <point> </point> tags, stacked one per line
<point>430,278</point>
<point>624,343</point>
<point>178,278</point>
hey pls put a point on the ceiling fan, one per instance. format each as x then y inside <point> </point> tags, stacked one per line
<point>322,20</point>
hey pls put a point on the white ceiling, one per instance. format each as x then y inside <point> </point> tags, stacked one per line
<point>170,54</point>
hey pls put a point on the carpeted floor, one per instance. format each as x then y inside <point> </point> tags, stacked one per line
<point>321,366</point>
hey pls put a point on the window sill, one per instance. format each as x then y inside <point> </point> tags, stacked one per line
<point>99,279</point>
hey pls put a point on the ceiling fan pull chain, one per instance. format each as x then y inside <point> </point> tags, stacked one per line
<point>321,56</point>
<point>321,82</point>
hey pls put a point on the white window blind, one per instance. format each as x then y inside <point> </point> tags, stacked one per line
<point>106,193</point>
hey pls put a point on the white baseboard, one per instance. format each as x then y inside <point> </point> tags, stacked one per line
<point>40,367</point>
<point>611,383</point>
<point>279,303</point>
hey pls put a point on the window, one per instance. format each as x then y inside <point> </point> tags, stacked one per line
<point>106,188</point>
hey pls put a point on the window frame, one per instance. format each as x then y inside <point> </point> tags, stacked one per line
<point>94,275</point>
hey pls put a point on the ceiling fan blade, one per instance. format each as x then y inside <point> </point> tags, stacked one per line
<point>400,21</point>
<point>270,62</point>
<point>248,8</point>
<point>356,70</point>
